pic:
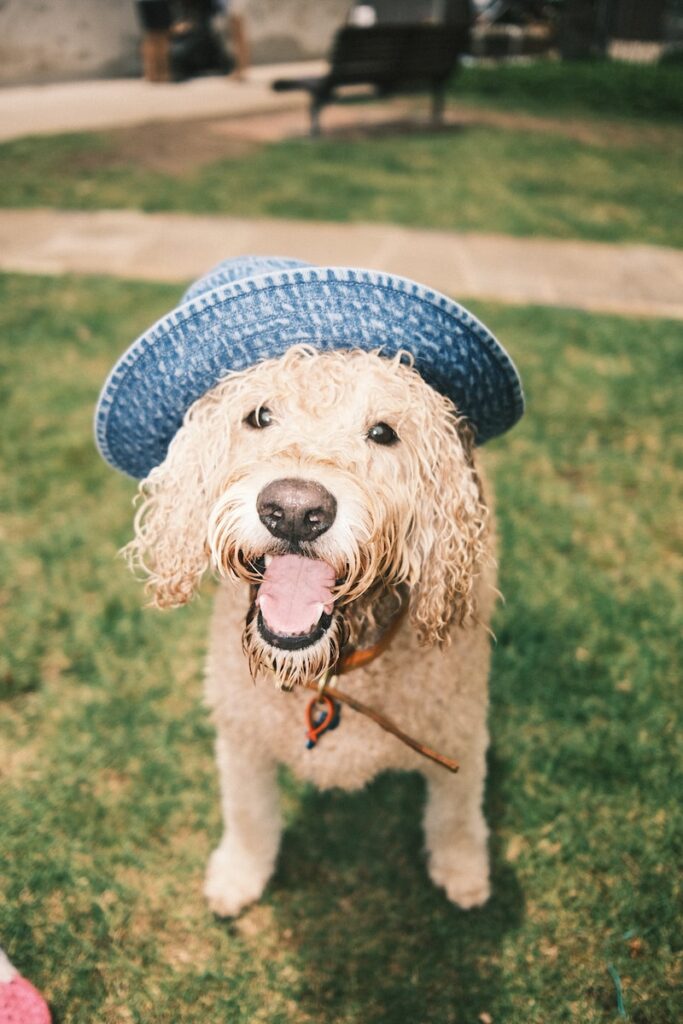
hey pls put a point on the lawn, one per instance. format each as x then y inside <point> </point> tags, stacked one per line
<point>109,805</point>
<point>594,180</point>
<point>589,88</point>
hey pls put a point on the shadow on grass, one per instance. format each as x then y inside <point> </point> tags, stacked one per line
<point>420,125</point>
<point>373,938</point>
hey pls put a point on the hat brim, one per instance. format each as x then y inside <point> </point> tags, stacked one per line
<point>232,327</point>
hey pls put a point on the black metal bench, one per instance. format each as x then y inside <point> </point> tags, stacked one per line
<point>391,58</point>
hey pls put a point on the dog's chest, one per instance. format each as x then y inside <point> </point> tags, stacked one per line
<point>347,755</point>
<point>427,694</point>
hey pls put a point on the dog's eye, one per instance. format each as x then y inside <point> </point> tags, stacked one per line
<point>382,433</point>
<point>259,418</point>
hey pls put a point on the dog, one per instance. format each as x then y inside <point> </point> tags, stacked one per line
<point>337,496</point>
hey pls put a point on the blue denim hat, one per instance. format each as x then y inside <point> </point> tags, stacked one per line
<point>254,308</point>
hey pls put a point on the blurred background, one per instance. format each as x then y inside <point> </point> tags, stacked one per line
<point>67,39</point>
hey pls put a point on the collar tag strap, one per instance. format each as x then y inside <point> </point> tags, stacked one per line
<point>333,694</point>
<point>323,714</point>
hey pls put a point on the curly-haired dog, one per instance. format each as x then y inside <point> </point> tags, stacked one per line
<point>331,491</point>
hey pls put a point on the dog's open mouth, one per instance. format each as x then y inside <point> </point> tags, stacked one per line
<point>294,601</point>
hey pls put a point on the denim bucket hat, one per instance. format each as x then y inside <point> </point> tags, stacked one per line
<point>254,308</point>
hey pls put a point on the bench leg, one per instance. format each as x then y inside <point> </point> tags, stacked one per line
<point>316,107</point>
<point>438,102</point>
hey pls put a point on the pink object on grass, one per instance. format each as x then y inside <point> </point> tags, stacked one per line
<point>21,1003</point>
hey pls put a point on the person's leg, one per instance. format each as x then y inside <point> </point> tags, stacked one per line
<point>240,44</point>
<point>147,53</point>
<point>162,53</point>
<point>155,20</point>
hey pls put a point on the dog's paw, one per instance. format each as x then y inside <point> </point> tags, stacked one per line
<point>233,881</point>
<point>466,879</point>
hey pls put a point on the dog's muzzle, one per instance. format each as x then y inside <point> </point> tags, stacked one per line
<point>295,599</point>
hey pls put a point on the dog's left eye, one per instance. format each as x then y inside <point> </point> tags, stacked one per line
<point>382,433</point>
<point>259,418</point>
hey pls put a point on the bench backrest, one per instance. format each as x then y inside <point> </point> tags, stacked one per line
<point>386,54</point>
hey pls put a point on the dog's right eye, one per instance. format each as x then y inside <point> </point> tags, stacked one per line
<point>382,433</point>
<point>259,418</point>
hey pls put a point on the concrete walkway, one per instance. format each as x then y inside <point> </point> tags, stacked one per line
<point>113,103</point>
<point>638,280</point>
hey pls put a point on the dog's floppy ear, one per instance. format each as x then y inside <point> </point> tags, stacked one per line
<point>170,548</point>
<point>450,533</point>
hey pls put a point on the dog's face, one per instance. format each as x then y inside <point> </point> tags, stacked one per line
<point>319,479</point>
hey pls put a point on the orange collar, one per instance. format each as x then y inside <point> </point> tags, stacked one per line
<point>366,655</point>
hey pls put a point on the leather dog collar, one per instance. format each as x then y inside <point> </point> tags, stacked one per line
<point>366,655</point>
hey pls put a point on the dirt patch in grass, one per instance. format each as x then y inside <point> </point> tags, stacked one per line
<point>168,147</point>
<point>179,147</point>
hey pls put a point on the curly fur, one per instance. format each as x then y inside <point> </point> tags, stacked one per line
<point>428,533</point>
<point>411,518</point>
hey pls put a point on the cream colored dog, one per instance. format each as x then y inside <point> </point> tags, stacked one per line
<point>326,490</point>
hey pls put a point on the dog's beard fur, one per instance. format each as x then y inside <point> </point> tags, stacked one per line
<point>352,612</point>
<point>292,668</point>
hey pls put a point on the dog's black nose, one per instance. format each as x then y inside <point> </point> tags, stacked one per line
<point>296,510</point>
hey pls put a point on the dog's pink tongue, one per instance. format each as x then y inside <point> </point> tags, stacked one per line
<point>295,592</point>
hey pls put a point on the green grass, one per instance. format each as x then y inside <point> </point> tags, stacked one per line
<point>587,88</point>
<point>109,803</point>
<point>479,178</point>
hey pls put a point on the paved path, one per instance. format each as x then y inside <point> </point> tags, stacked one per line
<point>639,280</point>
<point>111,103</point>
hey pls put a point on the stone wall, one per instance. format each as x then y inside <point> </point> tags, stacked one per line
<point>53,40</point>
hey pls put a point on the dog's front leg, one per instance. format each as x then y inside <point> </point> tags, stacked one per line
<point>241,865</point>
<point>456,834</point>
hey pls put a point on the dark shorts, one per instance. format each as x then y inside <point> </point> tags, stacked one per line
<point>154,15</point>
